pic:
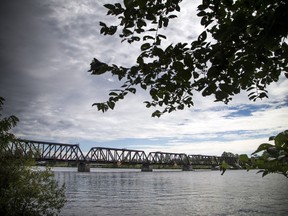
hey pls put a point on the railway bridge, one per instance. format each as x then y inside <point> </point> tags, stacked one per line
<point>57,152</point>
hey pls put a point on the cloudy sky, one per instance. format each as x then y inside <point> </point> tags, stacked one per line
<point>45,51</point>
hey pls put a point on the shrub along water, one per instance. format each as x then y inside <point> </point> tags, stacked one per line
<point>23,190</point>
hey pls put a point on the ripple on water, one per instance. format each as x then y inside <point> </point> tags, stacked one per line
<point>173,193</point>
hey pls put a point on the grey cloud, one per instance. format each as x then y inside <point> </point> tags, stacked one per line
<point>24,44</point>
<point>45,51</point>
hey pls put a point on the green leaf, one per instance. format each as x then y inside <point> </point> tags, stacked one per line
<point>262,147</point>
<point>109,6</point>
<point>172,16</point>
<point>148,104</point>
<point>165,22</point>
<point>102,24</point>
<point>162,36</point>
<point>158,52</point>
<point>111,104</point>
<point>271,138</point>
<point>180,107</point>
<point>262,95</point>
<point>152,29</point>
<point>224,166</point>
<point>244,158</point>
<point>150,17</point>
<point>112,30</point>
<point>186,74</point>
<point>135,38</point>
<point>209,89</point>
<point>128,3</point>
<point>127,32</point>
<point>157,113</point>
<point>265,172</point>
<point>202,7</point>
<point>153,93</point>
<point>147,37</point>
<point>132,90</point>
<point>145,46</point>
<point>141,23</point>
<point>202,36</point>
<point>118,5</point>
<point>201,13</point>
<point>113,94</point>
<point>281,139</point>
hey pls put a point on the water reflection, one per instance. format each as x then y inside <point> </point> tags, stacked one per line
<point>130,192</point>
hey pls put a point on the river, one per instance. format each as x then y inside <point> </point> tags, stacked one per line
<point>104,192</point>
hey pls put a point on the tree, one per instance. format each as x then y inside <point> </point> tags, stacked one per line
<point>243,47</point>
<point>230,160</point>
<point>23,190</point>
<point>274,158</point>
<point>229,154</point>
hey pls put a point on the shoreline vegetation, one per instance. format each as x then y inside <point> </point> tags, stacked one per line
<point>129,166</point>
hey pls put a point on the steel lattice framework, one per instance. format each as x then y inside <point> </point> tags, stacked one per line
<point>204,160</point>
<point>114,155</point>
<point>40,150</point>
<point>167,158</point>
<point>211,160</point>
<point>46,151</point>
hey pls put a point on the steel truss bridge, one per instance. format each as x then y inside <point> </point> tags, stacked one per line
<point>48,151</point>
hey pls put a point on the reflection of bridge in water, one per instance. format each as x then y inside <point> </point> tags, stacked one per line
<point>59,152</point>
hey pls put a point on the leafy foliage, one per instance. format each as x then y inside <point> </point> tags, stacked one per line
<point>229,154</point>
<point>23,190</point>
<point>274,158</point>
<point>242,47</point>
<point>230,161</point>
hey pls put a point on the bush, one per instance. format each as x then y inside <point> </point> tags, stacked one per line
<point>24,190</point>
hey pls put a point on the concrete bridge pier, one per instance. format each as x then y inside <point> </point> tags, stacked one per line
<point>83,167</point>
<point>147,168</point>
<point>187,167</point>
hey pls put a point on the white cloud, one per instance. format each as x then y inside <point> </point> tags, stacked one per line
<point>59,106</point>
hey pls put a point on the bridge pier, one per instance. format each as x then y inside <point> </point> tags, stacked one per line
<point>83,167</point>
<point>187,167</point>
<point>147,168</point>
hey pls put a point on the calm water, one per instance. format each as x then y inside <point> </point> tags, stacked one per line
<point>131,192</point>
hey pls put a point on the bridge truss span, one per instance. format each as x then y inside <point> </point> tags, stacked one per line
<point>204,160</point>
<point>168,158</point>
<point>48,151</point>
<point>40,150</point>
<point>114,155</point>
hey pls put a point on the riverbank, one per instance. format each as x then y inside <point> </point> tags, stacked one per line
<point>130,166</point>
